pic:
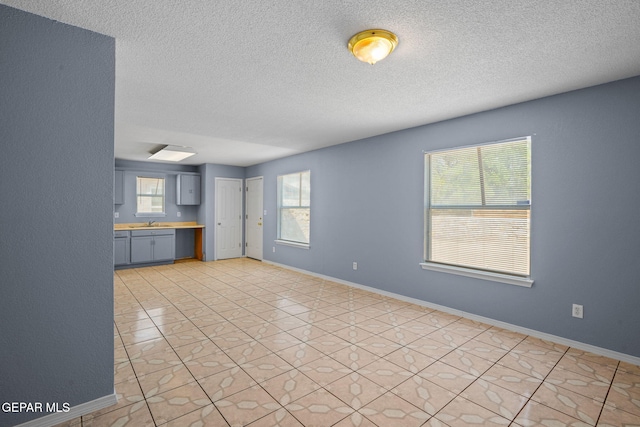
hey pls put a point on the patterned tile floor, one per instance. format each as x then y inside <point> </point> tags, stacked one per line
<point>239,342</point>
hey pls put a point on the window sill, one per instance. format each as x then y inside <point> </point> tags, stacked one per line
<point>293,244</point>
<point>478,274</point>
<point>150,214</point>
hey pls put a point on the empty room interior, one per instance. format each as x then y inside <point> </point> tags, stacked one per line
<point>287,213</point>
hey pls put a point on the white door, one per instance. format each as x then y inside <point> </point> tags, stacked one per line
<point>253,221</point>
<point>228,218</point>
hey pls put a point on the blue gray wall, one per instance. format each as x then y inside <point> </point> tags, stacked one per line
<point>56,185</point>
<point>203,214</point>
<point>367,206</point>
<point>126,212</point>
<point>56,174</point>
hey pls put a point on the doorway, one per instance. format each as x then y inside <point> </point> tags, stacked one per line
<point>254,218</point>
<point>228,235</point>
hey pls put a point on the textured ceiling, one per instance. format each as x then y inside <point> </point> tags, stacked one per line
<point>243,82</point>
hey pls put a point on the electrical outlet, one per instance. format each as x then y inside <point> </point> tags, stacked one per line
<point>355,265</point>
<point>274,249</point>
<point>179,214</point>
<point>577,311</point>
<point>116,214</point>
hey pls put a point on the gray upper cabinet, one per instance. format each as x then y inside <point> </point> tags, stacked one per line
<point>118,188</point>
<point>188,189</point>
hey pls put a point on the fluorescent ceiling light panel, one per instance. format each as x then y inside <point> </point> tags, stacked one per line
<point>173,153</point>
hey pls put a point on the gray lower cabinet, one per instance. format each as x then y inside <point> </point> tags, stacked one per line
<point>152,245</point>
<point>121,248</point>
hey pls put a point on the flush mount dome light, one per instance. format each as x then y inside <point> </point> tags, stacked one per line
<point>372,45</point>
<point>172,153</point>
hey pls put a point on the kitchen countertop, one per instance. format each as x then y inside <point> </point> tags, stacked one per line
<point>156,225</point>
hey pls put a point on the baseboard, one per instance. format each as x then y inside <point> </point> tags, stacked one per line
<point>537,334</point>
<point>142,264</point>
<point>74,412</point>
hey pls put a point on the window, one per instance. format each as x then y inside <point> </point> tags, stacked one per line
<point>150,196</point>
<point>478,206</point>
<point>294,199</point>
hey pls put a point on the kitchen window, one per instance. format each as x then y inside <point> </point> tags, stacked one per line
<point>478,211</point>
<point>294,208</point>
<point>150,193</point>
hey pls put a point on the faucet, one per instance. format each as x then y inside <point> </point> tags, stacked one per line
<point>149,223</point>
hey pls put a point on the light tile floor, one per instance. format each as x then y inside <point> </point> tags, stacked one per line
<point>240,342</point>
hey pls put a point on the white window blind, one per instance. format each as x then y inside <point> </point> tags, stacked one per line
<point>294,207</point>
<point>150,195</point>
<point>478,203</point>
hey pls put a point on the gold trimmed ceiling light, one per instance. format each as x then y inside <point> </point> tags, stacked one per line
<point>372,45</point>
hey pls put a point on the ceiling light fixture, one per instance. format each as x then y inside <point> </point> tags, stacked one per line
<point>172,153</point>
<point>372,45</point>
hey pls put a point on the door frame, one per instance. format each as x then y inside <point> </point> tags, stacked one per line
<point>246,217</point>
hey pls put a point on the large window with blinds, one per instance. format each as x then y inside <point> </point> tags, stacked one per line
<point>478,207</point>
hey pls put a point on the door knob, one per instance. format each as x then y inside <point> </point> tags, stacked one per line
<point>219,223</point>
<point>259,223</point>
